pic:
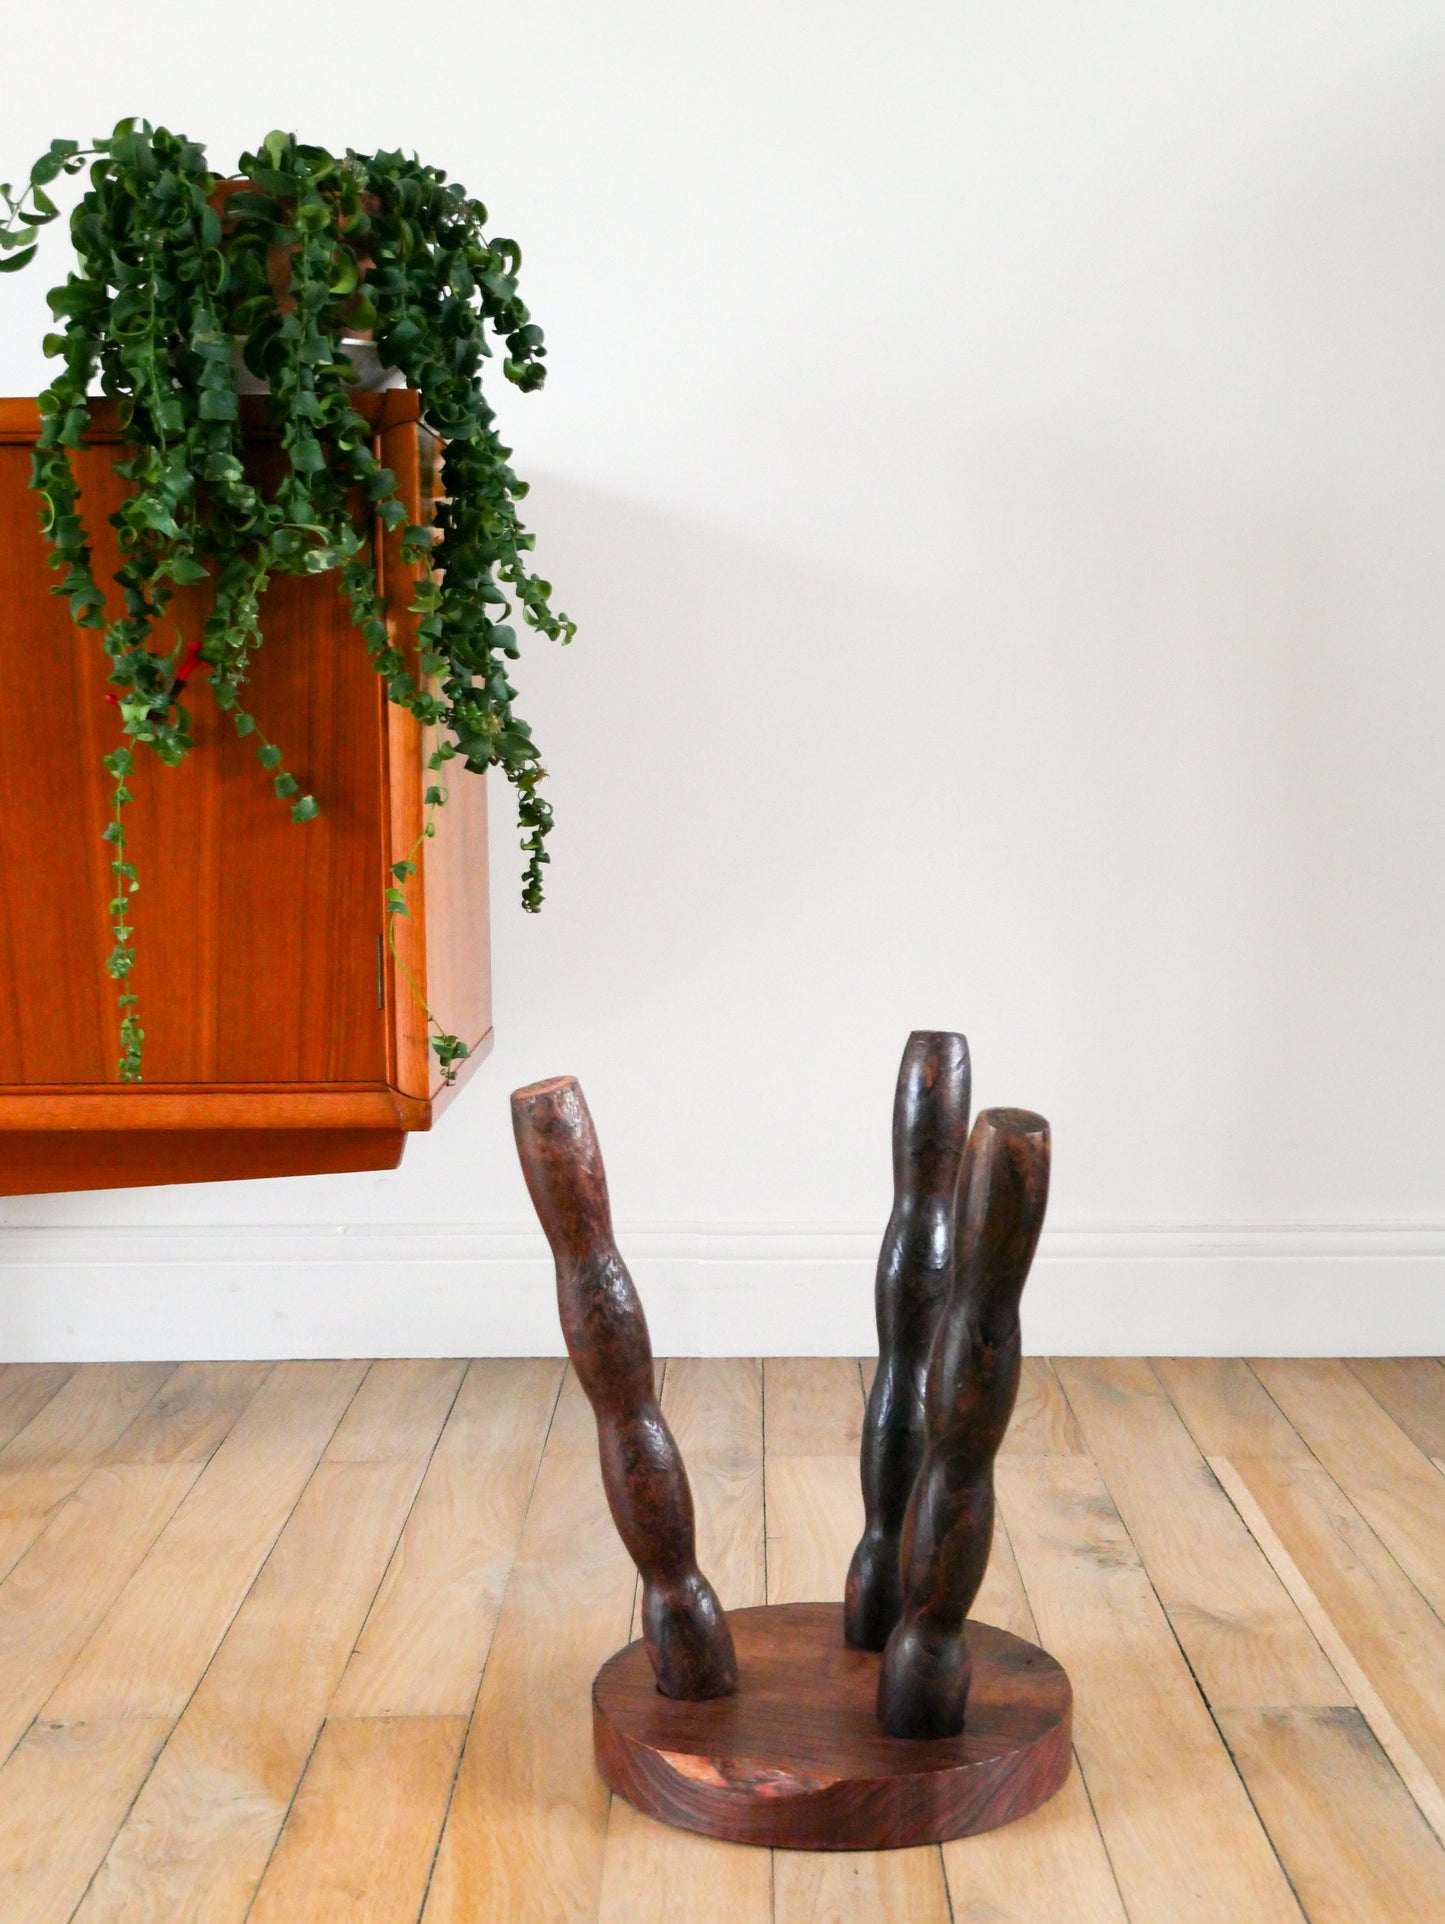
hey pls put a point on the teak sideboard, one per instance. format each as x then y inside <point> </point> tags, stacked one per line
<point>281,1036</point>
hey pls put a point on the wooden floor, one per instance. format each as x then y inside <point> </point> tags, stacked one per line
<point>313,1641</point>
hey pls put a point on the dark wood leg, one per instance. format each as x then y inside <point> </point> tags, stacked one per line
<point>930,1126</point>
<point>683,1624</point>
<point>973,1374</point>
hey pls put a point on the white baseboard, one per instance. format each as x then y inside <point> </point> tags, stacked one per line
<point>116,1294</point>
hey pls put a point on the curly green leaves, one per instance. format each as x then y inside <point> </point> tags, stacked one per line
<point>172,269</point>
<point>18,229</point>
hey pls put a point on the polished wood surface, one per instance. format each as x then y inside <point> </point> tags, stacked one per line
<point>684,1628</point>
<point>797,1761</point>
<point>734,1769</point>
<point>915,1266</point>
<point>55,1160</point>
<point>1190,1805</point>
<point>259,940</point>
<point>973,1377</point>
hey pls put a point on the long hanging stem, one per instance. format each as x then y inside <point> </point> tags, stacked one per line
<point>450,1049</point>
<point>121,961</point>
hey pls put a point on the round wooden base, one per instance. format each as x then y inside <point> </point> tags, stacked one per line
<point>796,1758</point>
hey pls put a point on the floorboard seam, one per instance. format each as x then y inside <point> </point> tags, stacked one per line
<point>1349,1363</point>
<point>326,1714</point>
<point>1001,1524</point>
<point>1326,1471</point>
<point>20,1428</point>
<point>1179,1645</point>
<point>491,1641</point>
<point>1404,1759</point>
<point>206,1667</point>
<point>90,1469</point>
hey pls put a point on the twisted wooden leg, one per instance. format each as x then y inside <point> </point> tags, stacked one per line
<point>683,1624</point>
<point>930,1124</point>
<point>973,1375</point>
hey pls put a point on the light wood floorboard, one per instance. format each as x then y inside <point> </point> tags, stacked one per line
<point>359,1839</point>
<point>527,1826</point>
<point>1412,1390</point>
<point>25,1389</point>
<point>1244,1639</point>
<point>197,1839</point>
<point>1054,1865</point>
<point>652,1874</point>
<point>1394,1486</point>
<point>44,1463</point>
<point>63,1796</point>
<point>306,1642</point>
<point>815,1517</point>
<point>426,1637</point>
<point>163,1629</point>
<point>1344,1825</point>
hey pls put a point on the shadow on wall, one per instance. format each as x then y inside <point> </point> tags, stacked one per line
<point>1137,783</point>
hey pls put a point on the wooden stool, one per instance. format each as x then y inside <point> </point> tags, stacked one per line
<point>890,1719</point>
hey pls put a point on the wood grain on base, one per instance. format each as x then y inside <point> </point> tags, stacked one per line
<point>797,1760</point>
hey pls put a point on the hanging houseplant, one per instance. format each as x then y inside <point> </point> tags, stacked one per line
<point>180,275</point>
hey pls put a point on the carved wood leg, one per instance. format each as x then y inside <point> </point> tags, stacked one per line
<point>683,1624</point>
<point>930,1125</point>
<point>973,1374</point>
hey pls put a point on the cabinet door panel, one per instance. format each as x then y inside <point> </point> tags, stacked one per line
<point>256,937</point>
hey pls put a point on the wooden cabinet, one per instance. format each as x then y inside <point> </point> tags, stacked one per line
<point>281,1038</point>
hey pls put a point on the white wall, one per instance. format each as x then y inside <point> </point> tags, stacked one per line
<point>996,455</point>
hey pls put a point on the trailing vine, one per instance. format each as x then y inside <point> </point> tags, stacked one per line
<point>174,266</point>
